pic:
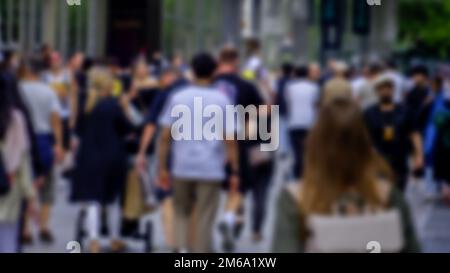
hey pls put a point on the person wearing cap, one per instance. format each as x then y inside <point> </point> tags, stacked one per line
<point>394,132</point>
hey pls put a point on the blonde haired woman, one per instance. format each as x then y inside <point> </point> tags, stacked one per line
<point>343,175</point>
<point>101,163</point>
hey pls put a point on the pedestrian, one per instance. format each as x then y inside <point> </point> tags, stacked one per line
<point>8,73</point>
<point>254,68</point>
<point>392,71</point>
<point>142,94</point>
<point>334,89</point>
<point>45,112</point>
<point>101,163</point>
<point>365,94</point>
<point>344,178</point>
<point>197,166</point>
<point>416,99</point>
<point>171,82</point>
<point>394,132</point>
<point>63,83</point>
<point>286,73</point>
<point>441,145</point>
<point>15,170</point>
<point>254,179</point>
<point>302,97</point>
<point>143,90</point>
<point>434,108</point>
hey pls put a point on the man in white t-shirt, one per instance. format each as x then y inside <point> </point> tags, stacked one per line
<point>302,96</point>
<point>45,111</point>
<point>62,83</point>
<point>197,167</point>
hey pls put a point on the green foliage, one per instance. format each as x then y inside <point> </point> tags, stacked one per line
<point>426,23</point>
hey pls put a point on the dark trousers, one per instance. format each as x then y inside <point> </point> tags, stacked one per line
<point>298,137</point>
<point>262,178</point>
<point>401,180</point>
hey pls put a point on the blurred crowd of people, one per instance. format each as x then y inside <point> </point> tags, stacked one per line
<point>356,135</point>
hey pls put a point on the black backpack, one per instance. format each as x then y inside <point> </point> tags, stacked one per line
<point>4,179</point>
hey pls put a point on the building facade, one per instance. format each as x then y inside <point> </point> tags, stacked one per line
<point>97,27</point>
<point>121,28</point>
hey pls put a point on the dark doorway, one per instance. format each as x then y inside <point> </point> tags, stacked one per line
<point>133,27</point>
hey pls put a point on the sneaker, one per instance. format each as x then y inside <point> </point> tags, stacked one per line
<point>237,229</point>
<point>94,247</point>
<point>104,231</point>
<point>257,238</point>
<point>446,195</point>
<point>227,238</point>
<point>118,246</point>
<point>46,237</point>
<point>26,240</point>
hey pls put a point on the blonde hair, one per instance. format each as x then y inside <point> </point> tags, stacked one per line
<point>100,80</point>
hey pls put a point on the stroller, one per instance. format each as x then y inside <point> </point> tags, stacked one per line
<point>137,203</point>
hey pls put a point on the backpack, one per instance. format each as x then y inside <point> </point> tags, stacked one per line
<point>368,232</point>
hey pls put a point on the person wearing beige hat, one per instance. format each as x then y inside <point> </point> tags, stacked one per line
<point>337,88</point>
<point>340,69</point>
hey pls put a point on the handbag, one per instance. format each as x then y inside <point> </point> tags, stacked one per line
<point>363,233</point>
<point>137,202</point>
<point>356,234</point>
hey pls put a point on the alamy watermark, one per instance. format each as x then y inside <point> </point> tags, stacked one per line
<point>214,122</point>
<point>373,2</point>
<point>73,2</point>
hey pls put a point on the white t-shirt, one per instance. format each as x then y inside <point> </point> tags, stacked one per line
<point>256,65</point>
<point>41,101</point>
<point>61,80</point>
<point>203,159</point>
<point>357,85</point>
<point>399,85</point>
<point>301,98</point>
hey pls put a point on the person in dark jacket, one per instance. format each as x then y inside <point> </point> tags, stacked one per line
<point>287,70</point>
<point>254,179</point>
<point>441,146</point>
<point>416,99</point>
<point>101,162</point>
<point>171,82</point>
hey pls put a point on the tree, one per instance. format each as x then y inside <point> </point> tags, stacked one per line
<point>425,26</point>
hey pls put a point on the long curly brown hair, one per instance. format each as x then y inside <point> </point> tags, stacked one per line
<point>340,158</point>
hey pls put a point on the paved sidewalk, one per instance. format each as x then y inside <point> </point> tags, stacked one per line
<point>432,222</point>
